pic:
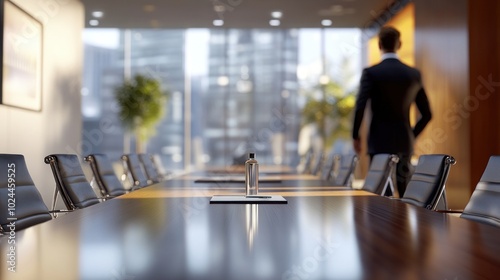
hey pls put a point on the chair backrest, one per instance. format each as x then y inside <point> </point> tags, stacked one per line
<point>344,174</point>
<point>149,169</point>
<point>329,163</point>
<point>19,194</point>
<point>105,176</point>
<point>484,204</point>
<point>427,184</point>
<point>160,168</point>
<point>317,162</point>
<point>308,158</point>
<point>380,174</point>
<point>71,182</point>
<point>133,169</point>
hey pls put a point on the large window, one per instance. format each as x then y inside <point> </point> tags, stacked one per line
<point>231,91</point>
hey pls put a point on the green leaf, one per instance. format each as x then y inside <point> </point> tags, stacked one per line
<point>142,104</point>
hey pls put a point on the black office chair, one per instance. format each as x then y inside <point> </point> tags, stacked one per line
<point>19,196</point>
<point>308,158</point>
<point>159,167</point>
<point>329,165</point>
<point>484,204</point>
<point>344,175</point>
<point>149,168</point>
<point>71,183</point>
<point>104,176</point>
<point>133,170</point>
<point>427,185</point>
<point>316,164</point>
<point>380,177</point>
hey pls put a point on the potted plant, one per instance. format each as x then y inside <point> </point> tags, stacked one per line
<point>331,113</point>
<point>142,105</point>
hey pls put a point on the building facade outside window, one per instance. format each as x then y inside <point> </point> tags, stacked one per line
<point>231,91</point>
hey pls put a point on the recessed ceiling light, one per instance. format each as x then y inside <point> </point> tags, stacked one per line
<point>337,8</point>
<point>326,22</point>
<point>149,8</point>
<point>218,22</point>
<point>274,22</point>
<point>154,23</point>
<point>93,22</point>
<point>97,14</point>
<point>219,8</point>
<point>277,14</point>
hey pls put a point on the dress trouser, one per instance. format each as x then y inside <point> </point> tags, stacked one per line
<point>404,171</point>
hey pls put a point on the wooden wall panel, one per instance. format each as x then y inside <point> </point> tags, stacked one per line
<point>497,36</point>
<point>441,53</point>
<point>404,21</point>
<point>484,102</point>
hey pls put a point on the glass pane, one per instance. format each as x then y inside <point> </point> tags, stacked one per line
<point>231,91</point>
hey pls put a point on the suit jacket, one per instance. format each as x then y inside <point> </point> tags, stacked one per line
<point>392,87</point>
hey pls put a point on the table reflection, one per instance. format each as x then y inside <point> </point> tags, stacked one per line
<point>311,237</point>
<point>252,222</point>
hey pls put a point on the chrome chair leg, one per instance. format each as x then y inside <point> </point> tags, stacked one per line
<point>54,202</point>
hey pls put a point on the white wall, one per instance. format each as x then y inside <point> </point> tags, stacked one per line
<point>57,127</point>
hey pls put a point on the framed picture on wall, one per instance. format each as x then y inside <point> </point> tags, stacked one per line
<point>21,83</point>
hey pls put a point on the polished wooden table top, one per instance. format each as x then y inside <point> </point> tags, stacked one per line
<point>165,232</point>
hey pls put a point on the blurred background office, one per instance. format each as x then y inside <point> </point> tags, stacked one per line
<point>241,78</point>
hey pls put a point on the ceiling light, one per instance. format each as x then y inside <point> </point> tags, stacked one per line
<point>274,22</point>
<point>326,22</point>
<point>218,22</point>
<point>149,8</point>
<point>337,8</point>
<point>97,14</point>
<point>219,8</point>
<point>93,22</point>
<point>276,14</point>
<point>154,23</point>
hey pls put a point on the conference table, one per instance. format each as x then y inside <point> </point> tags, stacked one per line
<point>170,230</point>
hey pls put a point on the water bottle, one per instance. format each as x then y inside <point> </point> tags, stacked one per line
<point>251,175</point>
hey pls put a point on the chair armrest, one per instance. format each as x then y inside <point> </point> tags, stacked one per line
<point>55,213</point>
<point>449,211</point>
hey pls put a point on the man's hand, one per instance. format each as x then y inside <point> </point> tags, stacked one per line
<point>356,143</point>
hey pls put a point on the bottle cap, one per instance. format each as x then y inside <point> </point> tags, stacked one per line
<point>251,155</point>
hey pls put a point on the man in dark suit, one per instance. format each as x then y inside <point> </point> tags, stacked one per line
<point>392,87</point>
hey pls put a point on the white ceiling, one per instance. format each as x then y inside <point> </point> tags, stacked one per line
<point>235,13</point>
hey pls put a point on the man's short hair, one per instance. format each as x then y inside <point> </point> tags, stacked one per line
<point>388,38</point>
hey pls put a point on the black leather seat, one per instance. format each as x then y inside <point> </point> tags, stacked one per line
<point>29,206</point>
<point>105,176</point>
<point>427,185</point>
<point>149,168</point>
<point>133,169</point>
<point>71,182</point>
<point>484,204</point>
<point>381,174</point>
<point>344,173</point>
